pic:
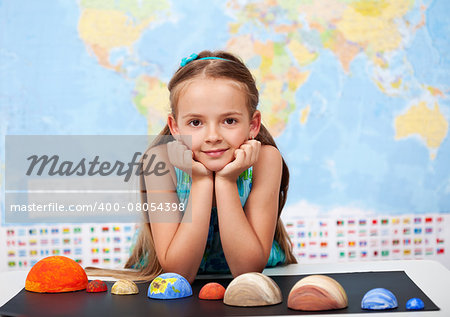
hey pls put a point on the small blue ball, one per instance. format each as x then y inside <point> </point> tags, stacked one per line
<point>415,304</point>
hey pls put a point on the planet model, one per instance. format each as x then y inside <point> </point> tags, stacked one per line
<point>379,299</point>
<point>212,291</point>
<point>252,289</point>
<point>96,286</point>
<point>415,304</point>
<point>124,287</point>
<point>169,286</point>
<point>56,274</point>
<point>317,292</point>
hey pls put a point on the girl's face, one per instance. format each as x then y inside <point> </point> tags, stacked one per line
<point>214,113</point>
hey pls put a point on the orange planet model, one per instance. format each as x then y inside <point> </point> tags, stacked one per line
<point>56,274</point>
<point>212,291</point>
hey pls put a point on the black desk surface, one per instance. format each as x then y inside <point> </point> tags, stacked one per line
<point>82,303</point>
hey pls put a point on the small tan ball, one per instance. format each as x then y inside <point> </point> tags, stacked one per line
<point>124,287</point>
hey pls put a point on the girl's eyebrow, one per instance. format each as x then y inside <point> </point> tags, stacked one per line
<point>232,113</point>
<point>191,114</point>
<point>225,114</point>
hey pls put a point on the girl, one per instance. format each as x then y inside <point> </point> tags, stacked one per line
<point>230,176</point>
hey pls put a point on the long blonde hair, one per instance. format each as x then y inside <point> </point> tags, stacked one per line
<point>229,67</point>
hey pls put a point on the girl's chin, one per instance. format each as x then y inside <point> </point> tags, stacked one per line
<point>214,167</point>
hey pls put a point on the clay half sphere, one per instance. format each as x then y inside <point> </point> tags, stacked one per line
<point>317,292</point>
<point>124,287</point>
<point>379,299</point>
<point>169,286</point>
<point>212,291</point>
<point>96,286</point>
<point>252,289</point>
<point>56,274</point>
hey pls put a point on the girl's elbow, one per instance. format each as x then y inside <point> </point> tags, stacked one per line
<point>189,276</point>
<point>236,273</point>
<point>190,279</point>
<point>251,266</point>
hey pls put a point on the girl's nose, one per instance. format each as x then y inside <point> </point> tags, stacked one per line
<point>213,134</point>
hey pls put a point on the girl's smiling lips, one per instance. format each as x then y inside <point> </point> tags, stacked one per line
<point>215,153</point>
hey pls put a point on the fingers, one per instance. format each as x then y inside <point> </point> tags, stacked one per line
<point>182,158</point>
<point>247,154</point>
<point>187,157</point>
<point>180,155</point>
<point>251,150</point>
<point>257,150</point>
<point>239,157</point>
<point>244,157</point>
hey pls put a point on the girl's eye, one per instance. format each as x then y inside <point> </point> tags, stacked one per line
<point>194,123</point>
<point>230,121</point>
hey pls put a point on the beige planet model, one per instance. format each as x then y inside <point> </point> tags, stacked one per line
<point>252,289</point>
<point>124,287</point>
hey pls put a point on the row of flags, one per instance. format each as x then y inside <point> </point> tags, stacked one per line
<point>43,231</point>
<point>405,220</point>
<point>22,242</point>
<point>107,245</point>
<point>390,237</point>
<point>314,240</point>
<point>28,263</point>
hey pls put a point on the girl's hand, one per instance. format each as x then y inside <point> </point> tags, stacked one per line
<point>244,157</point>
<point>181,157</point>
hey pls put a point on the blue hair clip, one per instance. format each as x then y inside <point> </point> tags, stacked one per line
<point>186,60</point>
<point>194,56</point>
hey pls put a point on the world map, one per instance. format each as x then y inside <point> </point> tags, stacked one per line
<point>354,91</point>
<point>160,285</point>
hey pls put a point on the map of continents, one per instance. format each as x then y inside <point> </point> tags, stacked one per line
<point>355,92</point>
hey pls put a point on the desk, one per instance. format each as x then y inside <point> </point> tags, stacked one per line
<point>432,277</point>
